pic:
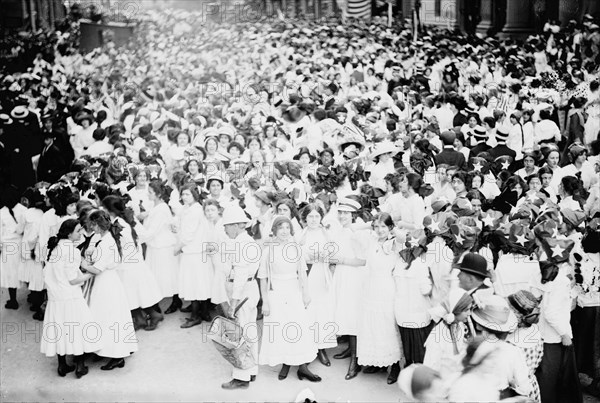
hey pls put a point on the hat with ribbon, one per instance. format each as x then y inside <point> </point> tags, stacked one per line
<point>347,204</point>
<point>495,314</point>
<point>440,204</point>
<point>384,148</point>
<point>462,207</point>
<point>480,133</point>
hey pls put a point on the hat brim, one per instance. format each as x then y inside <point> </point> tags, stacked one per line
<point>473,272</point>
<point>510,325</point>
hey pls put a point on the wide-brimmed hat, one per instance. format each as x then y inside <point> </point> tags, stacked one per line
<point>346,204</point>
<point>475,264</point>
<point>234,215</point>
<point>302,151</point>
<point>384,148</point>
<point>83,115</point>
<point>495,314</point>
<point>264,196</point>
<point>19,112</point>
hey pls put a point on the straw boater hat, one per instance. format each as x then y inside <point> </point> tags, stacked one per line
<point>234,215</point>
<point>346,204</point>
<point>495,315</point>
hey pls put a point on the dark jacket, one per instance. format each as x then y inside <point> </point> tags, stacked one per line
<point>52,165</point>
<point>479,148</point>
<point>501,150</point>
<point>451,157</point>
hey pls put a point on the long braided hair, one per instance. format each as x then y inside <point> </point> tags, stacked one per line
<point>66,229</point>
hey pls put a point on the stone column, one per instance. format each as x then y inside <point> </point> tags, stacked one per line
<point>568,10</point>
<point>486,17</point>
<point>519,18</point>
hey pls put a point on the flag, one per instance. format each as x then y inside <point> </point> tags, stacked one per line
<point>360,9</point>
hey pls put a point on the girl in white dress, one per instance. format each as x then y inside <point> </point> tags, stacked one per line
<point>216,237</point>
<point>316,247</point>
<point>108,300</point>
<point>67,311</point>
<point>139,282</point>
<point>157,233</point>
<point>413,210</point>
<point>348,280</point>
<point>140,199</point>
<point>287,338</point>
<point>378,338</point>
<point>11,231</point>
<point>413,297</point>
<point>31,271</point>
<point>592,124</point>
<point>196,269</point>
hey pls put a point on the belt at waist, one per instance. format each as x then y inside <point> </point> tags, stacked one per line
<point>248,280</point>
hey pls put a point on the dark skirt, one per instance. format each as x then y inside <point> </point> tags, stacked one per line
<point>557,375</point>
<point>413,343</point>
<point>586,339</point>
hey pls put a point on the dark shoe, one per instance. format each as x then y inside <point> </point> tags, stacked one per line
<point>322,356</point>
<point>187,309</point>
<point>191,323</point>
<point>176,304</point>
<point>204,311</point>
<point>344,354</point>
<point>394,372</point>
<point>284,372</point>
<point>113,363</point>
<point>308,375</point>
<point>252,378</point>
<point>81,371</point>
<point>39,315</point>
<point>235,384</point>
<point>155,317</point>
<point>353,369</point>
<point>11,304</point>
<point>65,369</point>
<point>95,357</point>
<point>369,369</point>
<point>172,308</point>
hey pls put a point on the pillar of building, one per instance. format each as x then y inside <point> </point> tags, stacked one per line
<point>486,17</point>
<point>519,18</point>
<point>569,10</point>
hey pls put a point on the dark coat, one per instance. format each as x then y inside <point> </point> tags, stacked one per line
<point>479,148</point>
<point>502,150</point>
<point>451,157</point>
<point>52,165</point>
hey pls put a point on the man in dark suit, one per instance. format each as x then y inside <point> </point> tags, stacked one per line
<point>501,149</point>
<point>480,137</point>
<point>52,164</point>
<point>449,155</point>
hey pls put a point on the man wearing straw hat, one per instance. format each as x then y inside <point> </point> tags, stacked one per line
<point>243,254</point>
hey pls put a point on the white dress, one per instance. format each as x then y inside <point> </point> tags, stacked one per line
<point>378,341</point>
<point>592,124</point>
<point>160,240</point>
<point>287,336</point>
<point>31,270</point>
<point>196,271</point>
<point>216,235</point>
<point>320,287</point>
<point>140,197</point>
<point>11,232</point>
<point>138,281</point>
<point>109,305</point>
<point>348,281</point>
<point>67,317</point>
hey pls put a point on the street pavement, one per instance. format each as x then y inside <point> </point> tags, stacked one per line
<point>172,364</point>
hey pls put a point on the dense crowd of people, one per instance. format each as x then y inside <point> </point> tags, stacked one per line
<point>433,203</point>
